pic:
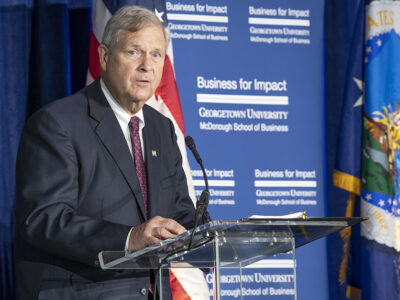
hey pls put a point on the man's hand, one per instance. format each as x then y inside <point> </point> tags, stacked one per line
<point>153,231</point>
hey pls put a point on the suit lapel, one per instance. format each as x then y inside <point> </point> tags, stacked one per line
<point>110,133</point>
<point>151,137</point>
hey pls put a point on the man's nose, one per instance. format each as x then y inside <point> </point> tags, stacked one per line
<point>146,64</point>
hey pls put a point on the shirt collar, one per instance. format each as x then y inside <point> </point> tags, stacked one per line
<point>123,116</point>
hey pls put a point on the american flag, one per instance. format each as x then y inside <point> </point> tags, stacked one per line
<point>186,284</point>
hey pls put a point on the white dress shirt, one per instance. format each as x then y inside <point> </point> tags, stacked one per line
<point>123,118</point>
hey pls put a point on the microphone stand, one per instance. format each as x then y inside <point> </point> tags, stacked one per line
<point>202,203</point>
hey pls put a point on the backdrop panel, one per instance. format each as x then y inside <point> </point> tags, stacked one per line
<point>250,80</point>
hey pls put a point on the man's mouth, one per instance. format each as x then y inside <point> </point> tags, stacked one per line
<point>143,82</point>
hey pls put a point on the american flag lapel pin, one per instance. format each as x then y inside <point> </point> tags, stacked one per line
<point>154,153</point>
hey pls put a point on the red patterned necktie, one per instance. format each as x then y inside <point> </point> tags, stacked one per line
<point>138,158</point>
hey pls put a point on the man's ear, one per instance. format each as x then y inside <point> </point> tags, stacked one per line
<point>103,56</point>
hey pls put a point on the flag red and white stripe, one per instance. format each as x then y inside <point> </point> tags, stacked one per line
<point>185,283</point>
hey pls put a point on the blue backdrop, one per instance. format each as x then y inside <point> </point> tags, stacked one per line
<point>251,85</point>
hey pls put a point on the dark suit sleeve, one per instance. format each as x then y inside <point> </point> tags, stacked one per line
<point>48,193</point>
<point>184,208</point>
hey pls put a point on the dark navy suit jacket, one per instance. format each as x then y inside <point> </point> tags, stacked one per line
<point>78,194</point>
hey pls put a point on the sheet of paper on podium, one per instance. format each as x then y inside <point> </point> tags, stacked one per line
<point>297,215</point>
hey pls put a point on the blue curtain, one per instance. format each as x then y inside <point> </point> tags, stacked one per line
<point>43,56</point>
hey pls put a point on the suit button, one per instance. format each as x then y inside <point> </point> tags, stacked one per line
<point>143,291</point>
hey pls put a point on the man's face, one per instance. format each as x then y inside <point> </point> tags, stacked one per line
<point>133,69</point>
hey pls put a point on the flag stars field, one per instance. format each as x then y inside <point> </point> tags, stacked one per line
<point>159,14</point>
<point>360,84</point>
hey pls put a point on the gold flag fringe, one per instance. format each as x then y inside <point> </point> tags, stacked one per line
<point>353,186</point>
<point>347,182</point>
<point>353,293</point>
<point>346,237</point>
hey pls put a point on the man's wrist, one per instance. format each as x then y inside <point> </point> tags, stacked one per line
<point>127,240</point>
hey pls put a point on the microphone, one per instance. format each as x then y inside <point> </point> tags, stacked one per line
<point>202,203</point>
<point>191,145</point>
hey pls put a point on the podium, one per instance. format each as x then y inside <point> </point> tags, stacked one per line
<point>228,244</point>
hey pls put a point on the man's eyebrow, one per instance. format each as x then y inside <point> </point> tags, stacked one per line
<point>140,48</point>
<point>159,49</point>
<point>134,45</point>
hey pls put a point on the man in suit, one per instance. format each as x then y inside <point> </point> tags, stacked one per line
<point>100,170</point>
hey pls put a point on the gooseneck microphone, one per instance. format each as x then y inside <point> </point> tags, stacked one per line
<point>202,203</point>
<point>191,145</point>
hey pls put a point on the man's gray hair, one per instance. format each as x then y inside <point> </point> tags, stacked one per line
<point>132,19</point>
